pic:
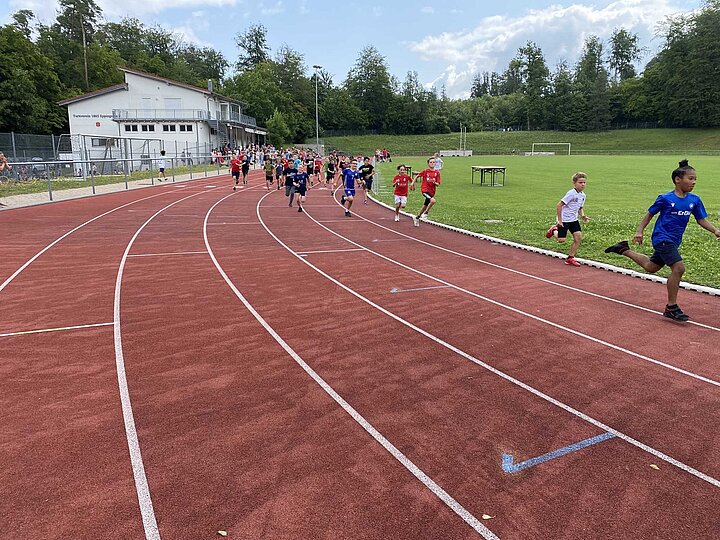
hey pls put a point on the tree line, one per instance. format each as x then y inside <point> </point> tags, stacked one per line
<point>78,52</point>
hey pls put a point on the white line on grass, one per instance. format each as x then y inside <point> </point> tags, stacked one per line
<point>657,453</point>
<point>524,313</point>
<point>518,272</point>
<point>60,329</point>
<point>455,506</point>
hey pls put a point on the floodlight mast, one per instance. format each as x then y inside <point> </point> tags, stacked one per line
<point>317,119</point>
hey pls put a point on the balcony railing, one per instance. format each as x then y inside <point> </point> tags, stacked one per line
<point>159,114</point>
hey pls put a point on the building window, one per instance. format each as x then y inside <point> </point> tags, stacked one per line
<point>148,127</point>
<point>98,142</point>
<point>186,127</point>
<point>131,127</point>
<point>168,127</point>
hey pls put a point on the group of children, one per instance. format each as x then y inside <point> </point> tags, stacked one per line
<point>673,209</point>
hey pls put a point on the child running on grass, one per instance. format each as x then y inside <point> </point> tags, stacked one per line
<point>674,208</point>
<point>430,181</point>
<point>568,209</point>
<point>400,185</point>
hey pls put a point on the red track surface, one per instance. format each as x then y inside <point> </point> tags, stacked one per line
<point>235,435</point>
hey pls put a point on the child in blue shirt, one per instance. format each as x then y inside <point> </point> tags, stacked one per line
<point>300,183</point>
<point>674,209</point>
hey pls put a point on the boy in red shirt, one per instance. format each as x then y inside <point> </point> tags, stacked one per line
<point>400,183</point>
<point>430,181</point>
<point>235,163</point>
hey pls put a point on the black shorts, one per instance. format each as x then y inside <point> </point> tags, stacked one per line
<point>368,184</point>
<point>300,191</point>
<point>329,175</point>
<point>427,198</point>
<point>572,227</point>
<point>235,174</point>
<point>269,178</point>
<point>310,171</point>
<point>665,253</point>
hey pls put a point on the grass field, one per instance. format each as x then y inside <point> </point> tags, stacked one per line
<point>627,141</point>
<point>619,191</point>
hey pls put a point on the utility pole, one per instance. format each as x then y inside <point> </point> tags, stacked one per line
<point>82,30</point>
<point>317,122</point>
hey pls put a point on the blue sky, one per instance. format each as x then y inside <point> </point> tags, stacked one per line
<point>446,41</point>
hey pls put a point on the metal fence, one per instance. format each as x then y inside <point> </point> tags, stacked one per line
<point>24,146</point>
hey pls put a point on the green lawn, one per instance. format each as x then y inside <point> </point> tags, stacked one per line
<point>627,141</point>
<point>619,191</point>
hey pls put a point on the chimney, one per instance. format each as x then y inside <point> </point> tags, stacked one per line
<point>210,85</point>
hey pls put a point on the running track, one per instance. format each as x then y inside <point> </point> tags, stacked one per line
<point>188,359</point>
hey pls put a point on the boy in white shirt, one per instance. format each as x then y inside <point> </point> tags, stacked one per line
<point>161,166</point>
<point>568,210</point>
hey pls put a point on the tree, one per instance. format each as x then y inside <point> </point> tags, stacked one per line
<point>591,78</point>
<point>23,21</point>
<point>339,111</point>
<point>369,85</point>
<point>624,52</point>
<point>253,48</point>
<point>278,132</point>
<point>534,82</point>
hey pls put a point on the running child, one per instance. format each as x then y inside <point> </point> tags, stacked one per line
<point>568,209</point>
<point>300,184</point>
<point>400,185</point>
<point>245,167</point>
<point>235,164</point>
<point>330,172</point>
<point>279,168</point>
<point>351,177</point>
<point>317,167</point>
<point>366,174</point>
<point>674,208</point>
<point>289,175</point>
<point>269,167</point>
<point>430,181</point>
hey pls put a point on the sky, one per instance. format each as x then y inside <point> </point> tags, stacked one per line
<point>445,41</point>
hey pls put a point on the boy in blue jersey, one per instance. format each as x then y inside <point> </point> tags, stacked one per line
<point>350,177</point>
<point>675,208</point>
<point>300,183</point>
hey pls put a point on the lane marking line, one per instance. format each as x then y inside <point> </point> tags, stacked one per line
<point>169,253</point>
<point>59,329</point>
<point>428,482</point>
<point>396,290</point>
<point>330,251</point>
<point>526,314</point>
<point>34,258</point>
<point>236,223</point>
<point>604,427</point>
<point>141,484</point>
<point>496,241</point>
<point>511,468</point>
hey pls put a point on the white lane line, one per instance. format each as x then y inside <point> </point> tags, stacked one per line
<point>657,453</point>
<point>428,482</point>
<point>526,314</point>
<point>236,223</point>
<point>330,251</point>
<point>34,258</point>
<point>141,483</point>
<point>395,290</point>
<point>60,329</point>
<point>531,276</point>
<point>169,253</point>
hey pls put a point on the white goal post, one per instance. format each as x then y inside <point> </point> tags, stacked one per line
<point>541,148</point>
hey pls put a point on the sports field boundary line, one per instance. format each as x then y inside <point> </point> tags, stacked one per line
<point>619,434</point>
<point>57,329</point>
<point>418,473</point>
<point>588,262</point>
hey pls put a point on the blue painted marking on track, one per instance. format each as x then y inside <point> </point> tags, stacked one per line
<point>511,468</point>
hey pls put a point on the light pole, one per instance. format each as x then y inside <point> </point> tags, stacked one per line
<point>317,123</point>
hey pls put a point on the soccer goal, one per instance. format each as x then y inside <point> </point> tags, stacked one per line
<point>550,148</point>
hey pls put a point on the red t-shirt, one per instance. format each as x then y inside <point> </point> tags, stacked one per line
<point>235,164</point>
<point>430,179</point>
<point>401,182</point>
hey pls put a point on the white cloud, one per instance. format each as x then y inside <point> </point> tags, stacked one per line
<point>559,31</point>
<point>46,10</point>
<point>272,10</point>
<point>428,9</point>
<point>186,34</point>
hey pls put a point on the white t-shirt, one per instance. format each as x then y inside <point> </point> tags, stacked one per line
<point>161,163</point>
<point>574,201</point>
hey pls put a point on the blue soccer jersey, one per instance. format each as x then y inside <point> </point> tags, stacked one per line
<point>301,181</point>
<point>674,216</point>
<point>350,177</point>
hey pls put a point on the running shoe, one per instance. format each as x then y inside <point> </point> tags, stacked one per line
<point>299,209</point>
<point>364,202</point>
<point>675,313</point>
<point>550,231</point>
<point>572,262</point>
<point>397,218</point>
<point>416,221</point>
<point>347,213</point>
<point>424,217</point>
<point>619,248</point>
<point>234,188</point>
